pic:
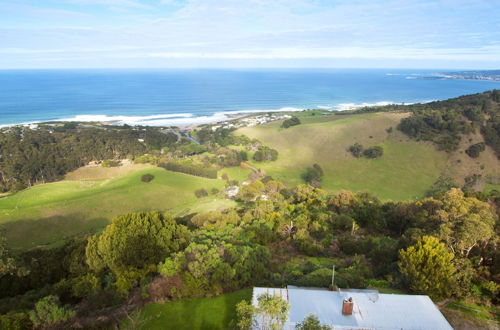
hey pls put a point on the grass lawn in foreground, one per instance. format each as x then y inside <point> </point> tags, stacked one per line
<point>192,314</point>
<point>47,213</point>
<point>405,171</point>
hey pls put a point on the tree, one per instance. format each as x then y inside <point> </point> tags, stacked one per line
<point>427,267</point>
<point>474,150</point>
<point>48,312</point>
<point>136,241</point>
<point>270,313</point>
<point>313,175</point>
<point>290,122</point>
<point>356,150</point>
<point>373,152</point>
<point>146,178</point>
<point>311,322</point>
<point>265,154</point>
<point>8,264</point>
<point>462,222</point>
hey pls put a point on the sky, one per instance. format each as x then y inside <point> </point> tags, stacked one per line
<point>448,34</point>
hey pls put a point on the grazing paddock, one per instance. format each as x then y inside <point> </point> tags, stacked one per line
<point>405,171</point>
<point>47,213</point>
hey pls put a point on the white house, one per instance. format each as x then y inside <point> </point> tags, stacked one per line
<point>359,309</point>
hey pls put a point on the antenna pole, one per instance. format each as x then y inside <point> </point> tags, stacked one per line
<point>333,275</point>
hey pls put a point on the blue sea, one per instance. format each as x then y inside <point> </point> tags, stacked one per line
<point>190,96</point>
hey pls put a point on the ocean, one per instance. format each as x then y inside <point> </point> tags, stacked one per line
<point>193,96</point>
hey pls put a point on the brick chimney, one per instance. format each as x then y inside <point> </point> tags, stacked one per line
<point>347,305</point>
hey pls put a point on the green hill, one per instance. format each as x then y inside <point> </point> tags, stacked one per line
<point>407,169</point>
<point>47,213</point>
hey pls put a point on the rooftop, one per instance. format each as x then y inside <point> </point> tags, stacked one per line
<point>371,309</point>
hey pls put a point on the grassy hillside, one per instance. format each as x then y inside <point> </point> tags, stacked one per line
<point>192,314</point>
<point>405,171</point>
<point>31,216</point>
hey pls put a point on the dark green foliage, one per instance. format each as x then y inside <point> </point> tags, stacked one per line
<point>48,312</point>
<point>221,136</point>
<point>190,148</point>
<point>229,157</point>
<point>311,322</point>
<point>373,152</point>
<point>491,133</point>
<point>200,193</point>
<point>28,156</point>
<point>146,178</point>
<point>156,138</point>
<point>313,174</point>
<point>444,122</point>
<point>197,170</point>
<point>15,321</point>
<point>442,184</point>
<point>290,122</point>
<point>265,154</point>
<point>46,266</point>
<point>134,242</point>
<point>215,261</point>
<point>356,150</point>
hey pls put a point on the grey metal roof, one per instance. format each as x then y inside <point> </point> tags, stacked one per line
<point>372,310</point>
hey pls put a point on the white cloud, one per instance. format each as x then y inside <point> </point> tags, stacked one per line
<point>268,30</point>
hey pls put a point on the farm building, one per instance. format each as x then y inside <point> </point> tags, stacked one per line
<point>358,309</point>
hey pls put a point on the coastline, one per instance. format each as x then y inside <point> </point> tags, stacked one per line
<point>188,120</point>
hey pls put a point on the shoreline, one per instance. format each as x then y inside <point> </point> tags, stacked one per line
<point>188,120</point>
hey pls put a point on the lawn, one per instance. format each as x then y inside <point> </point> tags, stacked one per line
<point>405,171</point>
<point>192,314</point>
<point>48,213</point>
<point>235,173</point>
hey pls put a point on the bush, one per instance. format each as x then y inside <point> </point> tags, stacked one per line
<point>146,178</point>
<point>15,321</point>
<point>206,172</point>
<point>474,150</point>
<point>291,122</point>
<point>373,152</point>
<point>145,159</point>
<point>356,150</point>
<point>48,312</point>
<point>111,163</point>
<point>200,193</point>
<point>313,174</point>
<point>265,154</point>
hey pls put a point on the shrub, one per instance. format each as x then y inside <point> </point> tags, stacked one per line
<point>146,178</point>
<point>133,243</point>
<point>200,193</point>
<point>291,122</point>
<point>373,152</point>
<point>427,267</point>
<point>110,163</point>
<point>356,150</point>
<point>265,154</point>
<point>146,158</point>
<point>474,150</point>
<point>313,174</point>
<point>48,312</point>
<point>15,321</point>
<point>206,172</point>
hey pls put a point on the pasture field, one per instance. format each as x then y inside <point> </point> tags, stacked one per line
<point>192,314</point>
<point>45,214</point>
<point>405,171</point>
